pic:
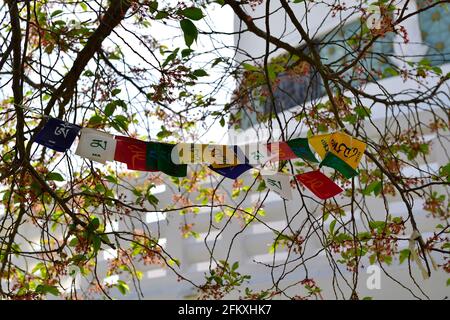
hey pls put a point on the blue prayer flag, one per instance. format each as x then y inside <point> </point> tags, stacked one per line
<point>57,134</point>
<point>232,172</point>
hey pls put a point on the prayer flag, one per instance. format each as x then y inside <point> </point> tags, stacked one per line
<point>232,172</point>
<point>301,149</point>
<point>217,155</point>
<point>278,182</point>
<point>257,153</point>
<point>319,184</point>
<point>96,145</point>
<point>320,143</point>
<point>133,152</point>
<point>159,157</point>
<point>57,134</point>
<point>344,155</point>
<point>292,149</point>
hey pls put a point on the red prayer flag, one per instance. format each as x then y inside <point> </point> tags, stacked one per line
<point>319,184</point>
<point>282,148</point>
<point>133,152</point>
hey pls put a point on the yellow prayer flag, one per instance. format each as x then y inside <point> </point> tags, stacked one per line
<point>347,148</point>
<point>220,156</point>
<point>320,143</point>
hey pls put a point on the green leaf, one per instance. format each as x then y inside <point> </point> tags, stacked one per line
<point>271,72</point>
<point>350,118</point>
<point>186,52</point>
<point>54,176</point>
<point>112,179</point>
<point>192,13</point>
<point>362,112</point>
<point>216,62</point>
<point>171,57</point>
<point>218,217</point>
<point>379,225</point>
<point>173,262</point>
<point>164,133</point>
<point>44,289</point>
<point>261,186</point>
<point>110,108</point>
<point>444,171</point>
<point>250,67</point>
<point>222,122</point>
<point>56,13</point>
<point>362,236</point>
<point>96,243</point>
<point>437,70</point>
<point>374,187</point>
<point>200,73</point>
<point>94,224</point>
<point>448,282</point>
<point>389,72</point>
<point>153,6</point>
<point>123,287</point>
<point>95,120</point>
<point>424,148</point>
<point>122,121</point>
<point>404,254</point>
<point>235,266</point>
<point>115,91</point>
<point>190,31</point>
<point>88,73</point>
<point>332,226</point>
<point>161,15</point>
<point>73,242</point>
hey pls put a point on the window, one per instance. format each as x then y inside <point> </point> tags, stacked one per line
<point>300,83</point>
<point>435,29</point>
<point>342,46</point>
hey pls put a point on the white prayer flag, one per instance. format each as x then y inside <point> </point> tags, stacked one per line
<point>96,145</point>
<point>278,182</point>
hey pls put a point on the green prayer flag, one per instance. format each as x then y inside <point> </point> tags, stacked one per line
<point>159,158</point>
<point>301,149</point>
<point>333,161</point>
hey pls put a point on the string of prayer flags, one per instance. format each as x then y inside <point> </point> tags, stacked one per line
<point>133,152</point>
<point>319,184</point>
<point>278,182</point>
<point>344,154</point>
<point>159,157</point>
<point>57,134</point>
<point>96,145</point>
<point>337,150</point>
